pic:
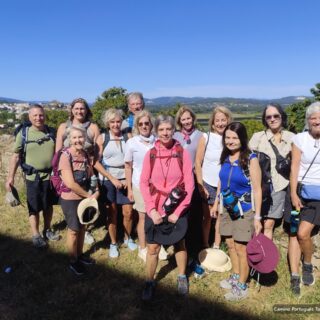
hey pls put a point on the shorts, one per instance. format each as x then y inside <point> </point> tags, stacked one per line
<point>110,194</point>
<point>241,230</point>
<point>273,208</point>
<point>70,208</point>
<point>138,200</point>
<point>311,212</point>
<point>39,196</point>
<point>212,193</point>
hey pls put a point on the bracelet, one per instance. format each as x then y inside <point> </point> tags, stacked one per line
<point>256,217</point>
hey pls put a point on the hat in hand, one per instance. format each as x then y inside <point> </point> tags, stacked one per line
<point>262,254</point>
<point>12,197</point>
<point>214,260</point>
<point>88,211</point>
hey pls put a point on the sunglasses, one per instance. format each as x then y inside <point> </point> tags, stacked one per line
<point>140,124</point>
<point>274,116</point>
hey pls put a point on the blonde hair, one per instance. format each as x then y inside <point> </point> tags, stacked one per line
<point>179,114</point>
<point>110,114</point>
<point>216,110</point>
<point>138,117</point>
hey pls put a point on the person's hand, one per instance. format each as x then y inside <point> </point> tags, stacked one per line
<point>214,210</point>
<point>95,195</point>
<point>116,183</point>
<point>8,184</point>
<point>130,195</point>
<point>257,226</point>
<point>173,218</point>
<point>156,217</point>
<point>203,192</point>
<point>124,184</point>
<point>296,202</point>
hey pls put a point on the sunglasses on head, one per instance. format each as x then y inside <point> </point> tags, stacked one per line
<point>274,116</point>
<point>140,124</point>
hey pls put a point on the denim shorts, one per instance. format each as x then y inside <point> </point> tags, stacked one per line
<point>212,193</point>
<point>110,194</point>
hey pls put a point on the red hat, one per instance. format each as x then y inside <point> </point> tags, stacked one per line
<point>262,254</point>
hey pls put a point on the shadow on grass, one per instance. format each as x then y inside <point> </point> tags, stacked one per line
<point>40,286</point>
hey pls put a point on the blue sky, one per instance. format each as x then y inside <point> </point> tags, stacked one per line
<point>62,49</point>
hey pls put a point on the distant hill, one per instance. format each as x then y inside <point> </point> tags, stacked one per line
<point>10,100</point>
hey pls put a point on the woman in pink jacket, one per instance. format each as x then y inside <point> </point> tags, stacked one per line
<point>166,185</point>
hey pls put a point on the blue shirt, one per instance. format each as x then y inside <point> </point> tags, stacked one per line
<point>239,183</point>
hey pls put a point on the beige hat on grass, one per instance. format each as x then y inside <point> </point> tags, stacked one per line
<point>88,211</point>
<point>214,260</point>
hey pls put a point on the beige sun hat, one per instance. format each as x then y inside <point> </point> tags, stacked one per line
<point>214,260</point>
<point>88,211</point>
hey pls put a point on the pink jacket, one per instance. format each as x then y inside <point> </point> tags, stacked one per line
<point>170,170</point>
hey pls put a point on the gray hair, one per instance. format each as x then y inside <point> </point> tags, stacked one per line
<point>313,108</point>
<point>140,115</point>
<point>36,106</point>
<point>135,95</point>
<point>110,114</point>
<point>162,118</point>
<point>76,128</point>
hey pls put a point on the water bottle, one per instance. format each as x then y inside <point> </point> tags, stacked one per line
<point>231,203</point>
<point>294,221</point>
<point>198,272</point>
<point>93,183</point>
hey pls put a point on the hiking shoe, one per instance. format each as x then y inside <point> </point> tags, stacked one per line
<point>39,242</point>
<point>163,254</point>
<point>51,235</point>
<point>228,283</point>
<point>113,251</point>
<point>307,274</point>
<point>88,238</point>
<point>142,254</point>
<point>77,268</point>
<point>183,286</point>
<point>148,291</point>
<point>295,285</point>
<point>236,293</point>
<point>86,260</point>
<point>130,244</point>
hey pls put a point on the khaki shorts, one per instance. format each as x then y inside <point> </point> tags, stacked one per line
<point>240,230</point>
<point>138,200</point>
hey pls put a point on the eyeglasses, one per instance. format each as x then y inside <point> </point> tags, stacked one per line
<point>140,124</point>
<point>274,116</point>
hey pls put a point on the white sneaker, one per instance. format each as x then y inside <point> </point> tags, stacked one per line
<point>143,254</point>
<point>163,254</point>
<point>88,238</point>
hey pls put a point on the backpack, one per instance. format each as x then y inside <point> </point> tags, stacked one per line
<point>107,138</point>
<point>56,182</point>
<point>24,128</point>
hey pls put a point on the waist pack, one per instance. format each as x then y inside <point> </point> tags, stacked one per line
<point>283,165</point>
<point>308,192</point>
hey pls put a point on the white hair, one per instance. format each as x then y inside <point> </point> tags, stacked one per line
<point>313,108</point>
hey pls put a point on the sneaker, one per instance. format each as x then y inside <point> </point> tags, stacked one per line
<point>51,235</point>
<point>86,260</point>
<point>228,283</point>
<point>77,268</point>
<point>143,254</point>
<point>130,244</point>
<point>148,291</point>
<point>113,251</point>
<point>236,293</point>
<point>39,242</point>
<point>183,286</point>
<point>163,254</point>
<point>88,238</point>
<point>295,285</point>
<point>307,274</point>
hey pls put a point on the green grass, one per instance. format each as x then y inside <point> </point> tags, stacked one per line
<point>40,285</point>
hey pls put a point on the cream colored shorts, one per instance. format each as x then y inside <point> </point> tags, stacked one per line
<point>138,200</point>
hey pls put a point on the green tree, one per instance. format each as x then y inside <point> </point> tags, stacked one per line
<point>316,91</point>
<point>55,117</point>
<point>296,115</point>
<point>114,97</point>
<point>252,126</point>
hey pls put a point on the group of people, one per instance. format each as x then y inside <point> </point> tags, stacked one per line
<point>178,180</point>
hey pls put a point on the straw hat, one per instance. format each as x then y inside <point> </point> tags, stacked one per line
<point>12,197</point>
<point>88,211</point>
<point>214,260</point>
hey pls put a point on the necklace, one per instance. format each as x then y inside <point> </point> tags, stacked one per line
<point>168,161</point>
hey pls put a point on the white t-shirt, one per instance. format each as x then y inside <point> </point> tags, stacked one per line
<point>211,161</point>
<point>191,147</point>
<point>136,149</point>
<point>306,144</point>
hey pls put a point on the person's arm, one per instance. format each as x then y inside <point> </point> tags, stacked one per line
<point>295,165</point>
<point>128,174</point>
<point>255,177</point>
<point>59,139</point>
<point>13,166</point>
<point>198,167</point>
<point>215,208</point>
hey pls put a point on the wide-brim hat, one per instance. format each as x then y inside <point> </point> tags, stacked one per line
<point>214,260</point>
<point>166,233</point>
<point>262,254</point>
<point>88,211</point>
<point>12,197</point>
